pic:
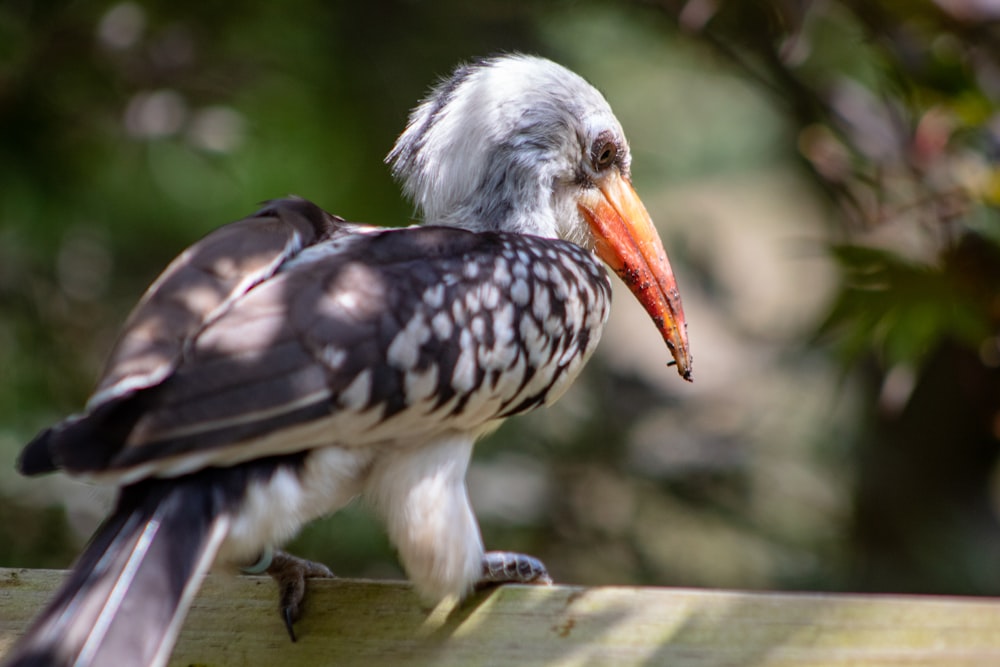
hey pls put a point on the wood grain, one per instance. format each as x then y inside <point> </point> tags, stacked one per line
<point>234,621</point>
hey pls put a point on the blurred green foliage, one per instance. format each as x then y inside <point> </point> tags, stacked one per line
<point>896,109</point>
<point>129,129</point>
<point>904,310</point>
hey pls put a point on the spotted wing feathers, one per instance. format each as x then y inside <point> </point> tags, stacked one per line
<point>368,338</point>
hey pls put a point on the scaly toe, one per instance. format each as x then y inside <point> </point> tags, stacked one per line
<point>291,572</point>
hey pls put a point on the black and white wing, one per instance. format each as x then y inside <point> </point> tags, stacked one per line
<point>329,333</point>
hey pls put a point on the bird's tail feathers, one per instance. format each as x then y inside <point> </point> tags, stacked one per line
<point>128,593</point>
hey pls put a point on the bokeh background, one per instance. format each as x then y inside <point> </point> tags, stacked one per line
<point>826,177</point>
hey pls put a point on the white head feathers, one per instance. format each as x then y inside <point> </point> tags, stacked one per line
<point>502,144</point>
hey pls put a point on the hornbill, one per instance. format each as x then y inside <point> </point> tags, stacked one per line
<point>292,361</point>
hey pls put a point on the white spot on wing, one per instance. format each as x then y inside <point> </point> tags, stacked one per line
<point>404,350</point>
<point>490,296</point>
<point>434,296</point>
<point>503,324</point>
<point>420,385</point>
<point>540,305</point>
<point>501,271</point>
<point>574,313</point>
<point>520,292</point>
<point>569,353</point>
<point>570,264</point>
<point>357,394</point>
<point>478,327</point>
<point>500,357</point>
<point>442,325</point>
<point>472,301</point>
<point>463,378</point>
<point>554,326</point>
<point>512,379</point>
<point>332,357</point>
<point>559,288</point>
<point>458,312</point>
<point>534,342</point>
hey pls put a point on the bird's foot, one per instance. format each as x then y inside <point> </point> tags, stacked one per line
<point>508,567</point>
<point>291,573</point>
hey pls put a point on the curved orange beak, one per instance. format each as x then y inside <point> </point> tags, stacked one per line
<point>626,240</point>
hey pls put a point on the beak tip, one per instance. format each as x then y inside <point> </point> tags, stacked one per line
<point>684,370</point>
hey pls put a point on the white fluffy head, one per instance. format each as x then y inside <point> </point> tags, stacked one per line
<point>504,144</point>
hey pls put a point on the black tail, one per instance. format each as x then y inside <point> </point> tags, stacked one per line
<point>127,596</point>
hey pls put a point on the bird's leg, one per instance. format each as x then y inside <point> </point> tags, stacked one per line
<point>508,567</point>
<point>420,491</point>
<point>291,573</point>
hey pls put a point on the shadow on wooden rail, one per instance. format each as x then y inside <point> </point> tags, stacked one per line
<point>234,621</point>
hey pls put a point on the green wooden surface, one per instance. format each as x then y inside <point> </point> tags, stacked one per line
<point>234,621</point>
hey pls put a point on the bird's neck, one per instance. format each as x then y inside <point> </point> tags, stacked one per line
<point>511,200</point>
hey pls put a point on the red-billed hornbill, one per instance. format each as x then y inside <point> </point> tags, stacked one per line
<point>290,362</point>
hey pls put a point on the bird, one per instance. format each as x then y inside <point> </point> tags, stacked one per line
<point>292,361</point>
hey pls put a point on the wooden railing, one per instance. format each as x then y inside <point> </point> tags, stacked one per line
<point>234,621</point>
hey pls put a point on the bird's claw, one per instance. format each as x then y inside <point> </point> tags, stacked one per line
<point>508,567</point>
<point>291,572</point>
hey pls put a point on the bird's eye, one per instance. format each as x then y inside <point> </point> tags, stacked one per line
<point>604,153</point>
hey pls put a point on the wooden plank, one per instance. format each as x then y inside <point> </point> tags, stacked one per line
<point>234,621</point>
